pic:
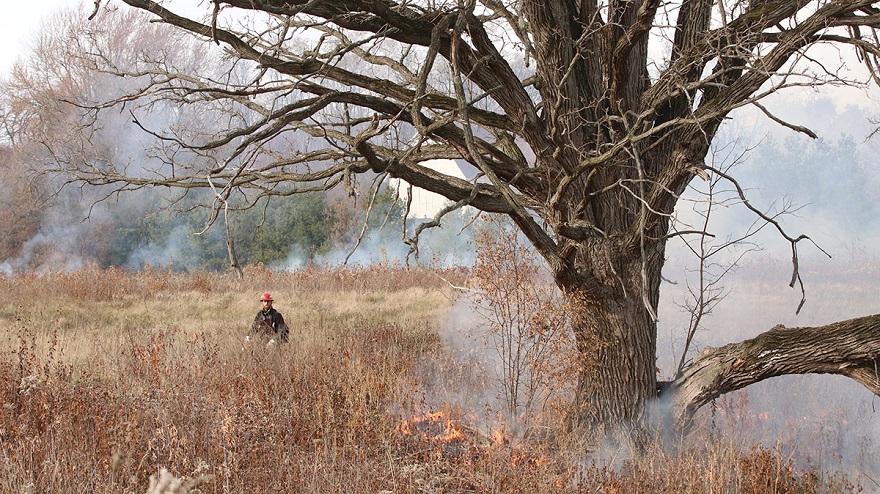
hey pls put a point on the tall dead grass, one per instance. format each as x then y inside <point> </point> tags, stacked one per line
<point>133,382</point>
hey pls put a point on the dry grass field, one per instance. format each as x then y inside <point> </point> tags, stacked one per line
<point>114,382</point>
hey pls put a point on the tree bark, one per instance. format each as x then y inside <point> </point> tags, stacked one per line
<point>617,341</point>
<point>612,305</point>
<point>849,348</point>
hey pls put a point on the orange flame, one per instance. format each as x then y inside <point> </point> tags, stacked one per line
<point>437,426</point>
<point>525,460</point>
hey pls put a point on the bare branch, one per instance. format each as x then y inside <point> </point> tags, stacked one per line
<point>849,348</point>
<point>796,128</point>
<point>795,275</point>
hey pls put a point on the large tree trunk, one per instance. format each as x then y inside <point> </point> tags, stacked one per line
<point>617,343</point>
<point>613,302</point>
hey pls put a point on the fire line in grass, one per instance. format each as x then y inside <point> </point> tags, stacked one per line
<point>437,433</point>
<point>443,435</point>
<point>434,427</point>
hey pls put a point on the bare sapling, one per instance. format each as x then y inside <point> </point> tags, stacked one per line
<point>527,325</point>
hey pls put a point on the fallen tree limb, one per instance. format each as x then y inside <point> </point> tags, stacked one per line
<point>849,348</point>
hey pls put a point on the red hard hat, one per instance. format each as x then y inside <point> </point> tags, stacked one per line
<point>266,297</point>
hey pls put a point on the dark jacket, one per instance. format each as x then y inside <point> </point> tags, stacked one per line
<point>270,324</point>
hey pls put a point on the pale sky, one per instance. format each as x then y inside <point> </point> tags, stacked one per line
<point>19,21</point>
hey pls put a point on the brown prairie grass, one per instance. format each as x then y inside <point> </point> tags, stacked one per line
<point>133,382</point>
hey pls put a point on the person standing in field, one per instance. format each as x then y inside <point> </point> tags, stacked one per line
<point>269,323</point>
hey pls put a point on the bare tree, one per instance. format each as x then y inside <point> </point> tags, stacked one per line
<point>21,205</point>
<point>583,121</point>
<point>525,320</point>
<point>48,118</point>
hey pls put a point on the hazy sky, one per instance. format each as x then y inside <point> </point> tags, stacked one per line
<point>19,21</point>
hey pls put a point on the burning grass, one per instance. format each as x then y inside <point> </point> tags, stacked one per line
<point>133,382</point>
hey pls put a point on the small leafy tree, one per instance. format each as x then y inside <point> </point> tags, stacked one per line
<point>527,323</point>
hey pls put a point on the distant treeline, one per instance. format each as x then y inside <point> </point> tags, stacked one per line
<point>50,231</point>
